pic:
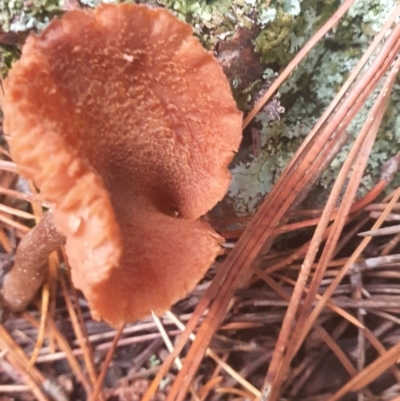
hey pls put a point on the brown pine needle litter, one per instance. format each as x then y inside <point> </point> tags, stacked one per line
<point>304,305</point>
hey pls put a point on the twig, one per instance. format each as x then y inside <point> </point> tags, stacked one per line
<point>97,388</point>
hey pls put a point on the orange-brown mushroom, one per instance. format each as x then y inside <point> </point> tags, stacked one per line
<point>124,122</point>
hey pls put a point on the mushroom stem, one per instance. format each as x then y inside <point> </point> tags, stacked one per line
<point>22,282</point>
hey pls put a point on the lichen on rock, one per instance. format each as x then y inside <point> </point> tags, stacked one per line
<point>216,20</point>
<point>20,15</point>
<point>308,92</point>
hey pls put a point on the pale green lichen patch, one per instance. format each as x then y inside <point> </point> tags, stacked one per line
<point>308,92</point>
<point>254,178</point>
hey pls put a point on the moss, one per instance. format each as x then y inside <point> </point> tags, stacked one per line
<point>273,43</point>
<point>214,20</point>
<point>287,25</point>
<point>8,54</point>
<point>19,15</point>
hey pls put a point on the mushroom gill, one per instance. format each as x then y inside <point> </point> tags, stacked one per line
<point>124,121</point>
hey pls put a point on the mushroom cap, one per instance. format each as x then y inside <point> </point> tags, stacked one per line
<point>123,120</point>
<point>171,256</point>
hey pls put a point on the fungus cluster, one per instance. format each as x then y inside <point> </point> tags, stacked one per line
<point>127,125</point>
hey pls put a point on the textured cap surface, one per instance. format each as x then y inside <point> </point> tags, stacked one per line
<point>123,120</point>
